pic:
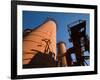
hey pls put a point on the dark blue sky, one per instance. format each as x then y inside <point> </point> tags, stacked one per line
<point>32,19</point>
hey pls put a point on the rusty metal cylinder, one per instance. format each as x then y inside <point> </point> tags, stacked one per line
<point>62,54</point>
<point>35,40</point>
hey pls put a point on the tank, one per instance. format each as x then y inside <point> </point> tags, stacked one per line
<point>61,54</point>
<point>40,40</point>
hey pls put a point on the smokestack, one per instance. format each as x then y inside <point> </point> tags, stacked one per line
<point>41,39</point>
<point>61,53</point>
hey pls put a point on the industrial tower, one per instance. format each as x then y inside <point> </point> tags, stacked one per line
<point>39,45</point>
